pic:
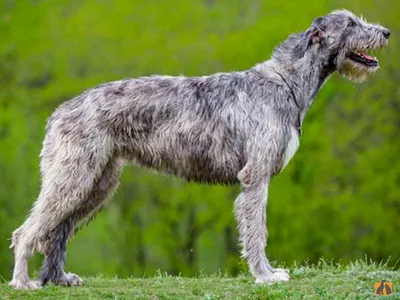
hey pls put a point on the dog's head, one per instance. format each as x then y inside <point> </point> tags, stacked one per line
<point>345,39</point>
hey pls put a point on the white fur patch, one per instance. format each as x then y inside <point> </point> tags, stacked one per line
<point>291,147</point>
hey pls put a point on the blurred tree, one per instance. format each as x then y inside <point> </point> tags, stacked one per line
<point>338,198</point>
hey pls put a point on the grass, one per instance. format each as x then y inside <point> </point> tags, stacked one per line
<point>321,281</point>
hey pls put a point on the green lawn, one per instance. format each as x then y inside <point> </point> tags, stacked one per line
<point>324,281</point>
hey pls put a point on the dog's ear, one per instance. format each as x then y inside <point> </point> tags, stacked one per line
<point>311,36</point>
<point>315,36</point>
<point>316,32</point>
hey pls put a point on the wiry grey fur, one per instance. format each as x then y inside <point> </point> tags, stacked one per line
<point>238,127</point>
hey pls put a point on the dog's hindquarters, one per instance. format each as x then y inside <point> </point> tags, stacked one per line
<point>79,171</point>
<point>55,251</point>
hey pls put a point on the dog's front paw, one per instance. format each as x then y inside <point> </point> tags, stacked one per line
<point>283,273</point>
<point>277,275</point>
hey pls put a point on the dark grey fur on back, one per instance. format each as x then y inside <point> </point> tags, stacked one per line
<point>196,128</point>
<point>226,128</point>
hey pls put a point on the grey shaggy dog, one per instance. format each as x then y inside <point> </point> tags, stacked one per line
<point>226,128</point>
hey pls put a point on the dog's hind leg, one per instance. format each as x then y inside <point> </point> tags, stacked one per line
<point>23,250</point>
<point>55,252</point>
<point>70,172</point>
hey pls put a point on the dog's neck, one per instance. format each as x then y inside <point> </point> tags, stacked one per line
<point>305,77</point>
<point>302,67</point>
<point>303,83</point>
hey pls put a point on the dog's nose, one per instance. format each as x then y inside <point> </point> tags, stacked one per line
<point>386,33</point>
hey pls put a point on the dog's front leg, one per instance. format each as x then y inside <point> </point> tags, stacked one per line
<point>250,212</point>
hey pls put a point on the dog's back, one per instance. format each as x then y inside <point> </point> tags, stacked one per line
<point>194,127</point>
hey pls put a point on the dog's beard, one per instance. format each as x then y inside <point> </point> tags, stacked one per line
<point>354,71</point>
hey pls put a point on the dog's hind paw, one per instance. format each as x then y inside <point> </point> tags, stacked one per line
<point>69,279</point>
<point>277,275</point>
<point>25,285</point>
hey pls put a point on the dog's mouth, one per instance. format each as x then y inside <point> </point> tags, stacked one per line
<point>364,59</point>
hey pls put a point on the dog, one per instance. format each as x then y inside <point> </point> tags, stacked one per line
<point>226,128</point>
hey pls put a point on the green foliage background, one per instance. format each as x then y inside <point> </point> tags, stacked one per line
<point>339,196</point>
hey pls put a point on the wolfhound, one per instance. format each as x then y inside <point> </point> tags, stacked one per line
<point>226,128</point>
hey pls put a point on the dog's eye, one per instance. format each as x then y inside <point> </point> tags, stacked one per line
<point>352,23</point>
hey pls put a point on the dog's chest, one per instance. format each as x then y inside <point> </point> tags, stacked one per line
<point>291,147</point>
